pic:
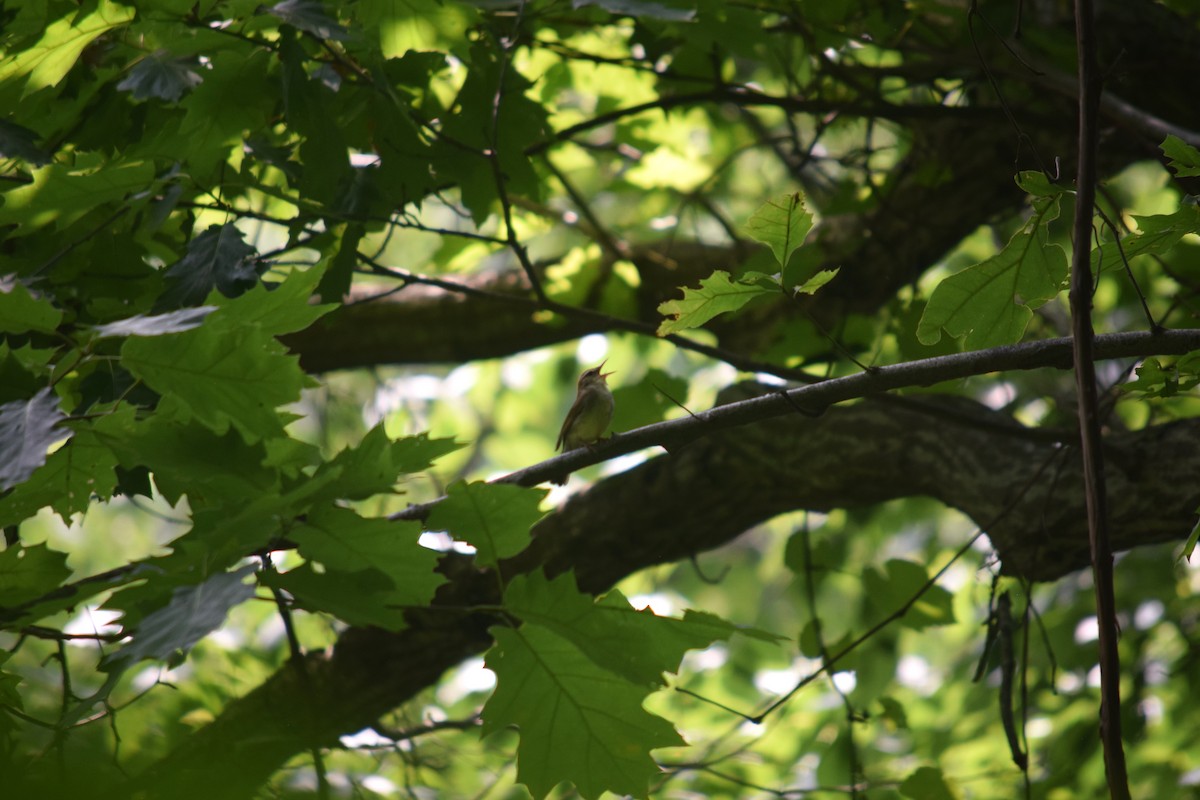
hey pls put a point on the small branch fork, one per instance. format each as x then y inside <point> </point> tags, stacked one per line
<point>1089,416</point>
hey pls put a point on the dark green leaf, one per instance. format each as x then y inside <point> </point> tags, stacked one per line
<point>17,141</point>
<point>336,281</point>
<point>192,613</point>
<point>377,462</point>
<point>216,259</point>
<point>358,598</point>
<point>1036,183</point>
<point>309,16</point>
<point>341,540</point>
<point>637,645</point>
<point>220,377</point>
<point>27,430</point>
<point>212,470</point>
<point>158,75</point>
<point>29,572</point>
<point>20,311</point>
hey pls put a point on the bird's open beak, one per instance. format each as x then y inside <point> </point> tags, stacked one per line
<point>601,367</point>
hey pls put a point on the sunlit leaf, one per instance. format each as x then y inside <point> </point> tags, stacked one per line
<point>781,223</point>
<point>717,295</point>
<point>991,303</point>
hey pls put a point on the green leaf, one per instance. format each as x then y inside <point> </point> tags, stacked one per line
<point>192,613</point>
<point>353,597</point>
<point>62,193</point>
<point>220,377</point>
<point>337,278</point>
<point>928,783</point>
<point>811,285</point>
<point>188,458</point>
<point>160,76</point>
<point>239,94</point>
<point>578,721</point>
<point>217,258</point>
<point>27,430</point>
<point>27,573</point>
<point>278,308</point>
<point>340,539</point>
<point>899,583</point>
<point>1036,183</point>
<point>493,517</point>
<point>1156,234</point>
<point>62,42</point>
<point>73,475</point>
<point>992,302</point>
<point>717,295</point>
<point>417,453</point>
<point>1184,158</point>
<point>520,121</point>
<point>307,103</point>
<point>377,462</point>
<point>156,324</point>
<point>637,645</point>
<point>20,311</point>
<point>781,223</point>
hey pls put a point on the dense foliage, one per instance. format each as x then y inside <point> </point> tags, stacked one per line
<point>286,288</point>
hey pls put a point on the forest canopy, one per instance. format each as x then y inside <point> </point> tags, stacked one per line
<point>899,302</point>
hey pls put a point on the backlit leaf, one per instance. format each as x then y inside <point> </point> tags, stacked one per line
<point>781,223</point>
<point>717,295</point>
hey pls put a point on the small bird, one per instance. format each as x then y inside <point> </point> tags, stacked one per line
<point>590,413</point>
